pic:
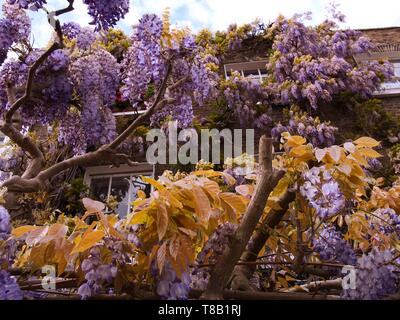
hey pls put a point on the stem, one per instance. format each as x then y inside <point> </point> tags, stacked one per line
<point>28,87</point>
<point>67,9</point>
<point>226,263</point>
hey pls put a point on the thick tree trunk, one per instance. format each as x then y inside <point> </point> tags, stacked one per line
<point>242,274</point>
<point>226,263</point>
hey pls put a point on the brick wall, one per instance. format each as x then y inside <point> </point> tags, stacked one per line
<point>392,105</point>
<point>383,35</point>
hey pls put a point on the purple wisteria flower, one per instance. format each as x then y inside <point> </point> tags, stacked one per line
<point>106,13</point>
<point>322,192</point>
<point>171,287</point>
<point>375,278</point>
<point>5,223</point>
<point>9,288</point>
<point>33,5</point>
<point>14,27</point>
<point>332,247</point>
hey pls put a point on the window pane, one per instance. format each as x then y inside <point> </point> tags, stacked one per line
<point>248,73</point>
<point>120,190</point>
<point>396,66</point>
<point>99,188</point>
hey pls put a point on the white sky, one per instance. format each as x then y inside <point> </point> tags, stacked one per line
<point>218,14</point>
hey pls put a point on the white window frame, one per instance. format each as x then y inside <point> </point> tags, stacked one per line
<point>142,169</point>
<point>128,113</point>
<point>396,66</point>
<point>391,87</point>
<point>241,67</point>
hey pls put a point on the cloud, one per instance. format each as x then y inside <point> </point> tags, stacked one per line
<point>218,14</point>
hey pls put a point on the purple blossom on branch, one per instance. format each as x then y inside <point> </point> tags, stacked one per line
<point>322,192</point>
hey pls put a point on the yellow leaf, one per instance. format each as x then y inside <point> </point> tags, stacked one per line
<point>357,170</point>
<point>359,157</point>
<point>92,206</point>
<point>295,141</point>
<point>282,186</point>
<point>88,241</point>
<point>370,153</point>
<point>211,173</point>
<point>161,255</point>
<point>201,204</point>
<point>298,151</point>
<point>273,203</point>
<point>188,232</point>
<point>246,190</point>
<point>345,168</point>
<point>140,194</point>
<point>139,217</point>
<point>336,153</point>
<point>234,205</point>
<point>20,231</point>
<point>366,142</point>
<point>174,248</point>
<point>153,182</point>
<point>320,154</point>
<point>162,220</point>
<point>302,154</point>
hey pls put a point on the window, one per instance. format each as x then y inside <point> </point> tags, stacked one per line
<point>104,183</point>
<point>396,66</point>
<point>254,70</point>
<point>390,52</point>
<point>392,87</point>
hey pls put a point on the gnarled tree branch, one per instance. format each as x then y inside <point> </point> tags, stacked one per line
<point>242,273</point>
<point>28,87</point>
<point>67,9</point>
<point>106,152</point>
<point>226,263</point>
<point>7,127</point>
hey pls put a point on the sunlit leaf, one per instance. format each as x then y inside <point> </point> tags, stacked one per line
<point>320,154</point>
<point>370,153</point>
<point>20,231</point>
<point>367,142</point>
<point>88,241</point>
<point>92,206</point>
<point>162,220</point>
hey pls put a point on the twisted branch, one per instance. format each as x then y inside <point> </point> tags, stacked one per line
<point>106,152</point>
<point>227,262</point>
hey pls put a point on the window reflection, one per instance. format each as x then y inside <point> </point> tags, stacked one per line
<point>123,188</point>
<point>120,190</point>
<point>99,188</point>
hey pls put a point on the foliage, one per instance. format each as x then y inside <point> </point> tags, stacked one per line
<point>319,133</point>
<point>311,67</point>
<point>186,223</point>
<point>373,120</point>
<point>64,94</point>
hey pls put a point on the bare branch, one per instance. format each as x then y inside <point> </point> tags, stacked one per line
<point>67,9</point>
<point>251,295</point>
<point>142,118</point>
<point>106,152</point>
<point>28,87</point>
<point>226,263</point>
<point>317,285</point>
<point>24,142</point>
<point>242,274</point>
